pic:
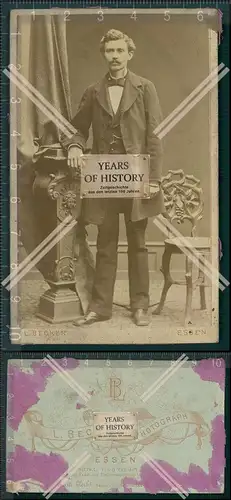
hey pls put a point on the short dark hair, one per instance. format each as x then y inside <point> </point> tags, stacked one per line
<point>117,35</point>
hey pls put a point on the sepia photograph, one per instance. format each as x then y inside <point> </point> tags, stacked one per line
<point>114,176</point>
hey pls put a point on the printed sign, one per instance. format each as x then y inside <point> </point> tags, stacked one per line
<point>116,425</point>
<point>115,176</point>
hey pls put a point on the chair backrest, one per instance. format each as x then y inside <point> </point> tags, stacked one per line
<point>183,198</point>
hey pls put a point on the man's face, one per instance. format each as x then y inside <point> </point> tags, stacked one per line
<point>116,54</point>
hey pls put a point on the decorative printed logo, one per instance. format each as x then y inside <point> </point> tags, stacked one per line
<point>109,426</point>
<point>115,389</point>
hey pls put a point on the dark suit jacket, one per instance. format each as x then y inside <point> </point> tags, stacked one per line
<point>140,115</point>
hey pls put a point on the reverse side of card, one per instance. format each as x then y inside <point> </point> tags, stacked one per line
<point>137,427</point>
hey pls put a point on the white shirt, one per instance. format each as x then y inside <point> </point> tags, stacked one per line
<point>115,94</point>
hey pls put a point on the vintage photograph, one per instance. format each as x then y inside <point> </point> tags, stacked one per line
<point>114,176</point>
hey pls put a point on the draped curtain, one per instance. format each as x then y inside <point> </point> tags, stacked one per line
<point>42,54</point>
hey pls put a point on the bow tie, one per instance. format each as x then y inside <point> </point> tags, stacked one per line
<point>113,81</point>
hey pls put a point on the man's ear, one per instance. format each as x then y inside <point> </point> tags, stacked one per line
<point>130,55</point>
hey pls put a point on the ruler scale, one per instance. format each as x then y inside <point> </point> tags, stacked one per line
<point>122,355</point>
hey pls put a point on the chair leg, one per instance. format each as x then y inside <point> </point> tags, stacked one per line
<point>165,269</point>
<point>202,297</point>
<point>189,290</point>
<point>202,288</point>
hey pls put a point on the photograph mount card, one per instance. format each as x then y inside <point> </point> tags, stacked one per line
<point>107,268</point>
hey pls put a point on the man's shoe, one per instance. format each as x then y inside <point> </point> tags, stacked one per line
<point>90,318</point>
<point>141,317</point>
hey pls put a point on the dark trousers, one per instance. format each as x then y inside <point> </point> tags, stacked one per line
<point>106,259</point>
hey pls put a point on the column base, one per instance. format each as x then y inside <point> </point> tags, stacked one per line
<point>59,305</point>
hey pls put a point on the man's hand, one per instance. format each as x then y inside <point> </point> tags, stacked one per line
<point>154,189</point>
<point>74,158</point>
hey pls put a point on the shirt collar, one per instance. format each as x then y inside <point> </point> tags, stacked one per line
<point>123,76</point>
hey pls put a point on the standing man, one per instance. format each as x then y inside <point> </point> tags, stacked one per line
<point>123,109</point>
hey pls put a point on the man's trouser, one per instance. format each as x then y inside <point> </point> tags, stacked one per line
<point>106,259</point>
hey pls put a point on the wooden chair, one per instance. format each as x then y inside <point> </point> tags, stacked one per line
<point>183,201</point>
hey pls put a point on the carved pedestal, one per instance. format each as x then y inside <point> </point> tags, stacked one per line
<point>56,198</point>
<point>59,304</point>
